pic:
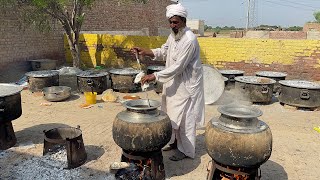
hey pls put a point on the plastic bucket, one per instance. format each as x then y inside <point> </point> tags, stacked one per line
<point>91,97</point>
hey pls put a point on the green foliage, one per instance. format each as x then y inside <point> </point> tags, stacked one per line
<point>317,16</point>
<point>294,28</point>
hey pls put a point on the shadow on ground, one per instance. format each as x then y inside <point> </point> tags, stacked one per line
<point>273,171</point>
<point>185,166</point>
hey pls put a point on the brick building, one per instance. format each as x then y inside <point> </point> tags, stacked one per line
<point>17,45</point>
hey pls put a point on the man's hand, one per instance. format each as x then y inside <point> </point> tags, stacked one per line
<point>148,78</point>
<point>142,51</point>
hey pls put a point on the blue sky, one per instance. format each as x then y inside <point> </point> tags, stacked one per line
<point>284,13</point>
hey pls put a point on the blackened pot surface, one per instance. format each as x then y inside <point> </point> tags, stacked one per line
<point>299,93</point>
<point>37,80</point>
<point>122,80</point>
<point>255,89</point>
<point>10,102</point>
<point>92,80</point>
<point>239,140</point>
<point>231,74</point>
<point>141,128</point>
<point>277,76</point>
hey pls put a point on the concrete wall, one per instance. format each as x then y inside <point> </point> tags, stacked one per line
<point>299,58</point>
<point>311,27</point>
<point>288,35</point>
<point>196,25</point>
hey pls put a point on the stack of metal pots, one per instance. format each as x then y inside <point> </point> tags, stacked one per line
<point>238,138</point>
<point>142,128</point>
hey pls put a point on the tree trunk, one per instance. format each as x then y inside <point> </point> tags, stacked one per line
<point>74,49</point>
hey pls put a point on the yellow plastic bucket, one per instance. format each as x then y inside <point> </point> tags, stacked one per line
<point>91,97</point>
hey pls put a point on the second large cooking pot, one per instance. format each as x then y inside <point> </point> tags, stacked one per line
<point>10,102</point>
<point>92,80</point>
<point>37,80</point>
<point>158,86</point>
<point>122,80</point>
<point>255,89</point>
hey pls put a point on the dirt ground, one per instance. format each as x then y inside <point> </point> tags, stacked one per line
<point>295,152</point>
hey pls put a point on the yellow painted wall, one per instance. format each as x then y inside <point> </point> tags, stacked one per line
<point>213,50</point>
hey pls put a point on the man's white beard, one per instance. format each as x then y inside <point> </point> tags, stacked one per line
<point>178,35</point>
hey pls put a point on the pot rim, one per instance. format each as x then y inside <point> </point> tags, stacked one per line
<point>274,74</point>
<point>242,79</point>
<point>231,72</point>
<point>130,104</point>
<point>233,109</point>
<point>9,89</point>
<point>42,74</point>
<point>118,71</point>
<point>43,60</point>
<point>302,84</point>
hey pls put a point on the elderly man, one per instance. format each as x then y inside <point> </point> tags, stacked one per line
<point>183,96</point>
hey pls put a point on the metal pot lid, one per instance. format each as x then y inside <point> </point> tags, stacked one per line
<point>213,84</point>
<point>156,68</point>
<point>142,104</point>
<point>230,72</point>
<point>125,71</point>
<point>240,111</point>
<point>300,84</point>
<point>254,80</point>
<point>39,74</point>
<point>9,89</point>
<point>92,73</point>
<point>271,74</point>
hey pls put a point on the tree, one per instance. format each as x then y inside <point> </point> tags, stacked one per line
<point>317,16</point>
<point>69,13</point>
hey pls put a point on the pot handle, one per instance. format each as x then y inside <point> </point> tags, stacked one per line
<point>2,109</point>
<point>37,65</point>
<point>264,89</point>
<point>304,94</point>
<point>231,78</point>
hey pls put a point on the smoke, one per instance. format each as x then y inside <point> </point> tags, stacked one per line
<point>233,96</point>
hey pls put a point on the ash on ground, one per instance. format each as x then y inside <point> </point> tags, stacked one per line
<point>48,167</point>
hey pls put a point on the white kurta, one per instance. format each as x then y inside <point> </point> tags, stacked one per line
<point>183,93</point>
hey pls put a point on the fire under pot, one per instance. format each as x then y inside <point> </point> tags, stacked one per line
<point>141,131</point>
<point>92,81</point>
<point>231,74</point>
<point>122,80</point>
<point>277,76</point>
<point>300,93</point>
<point>37,80</point>
<point>238,142</point>
<point>69,137</point>
<point>255,89</point>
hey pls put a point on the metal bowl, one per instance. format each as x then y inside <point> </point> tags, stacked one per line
<point>56,93</point>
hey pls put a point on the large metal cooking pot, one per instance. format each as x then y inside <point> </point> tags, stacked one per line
<point>141,128</point>
<point>56,93</point>
<point>122,80</point>
<point>238,138</point>
<point>92,80</point>
<point>43,64</point>
<point>231,74</point>
<point>277,76</point>
<point>255,89</point>
<point>10,102</point>
<point>300,93</point>
<point>37,80</point>
<point>158,86</point>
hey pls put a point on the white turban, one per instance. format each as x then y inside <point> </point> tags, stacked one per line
<point>176,10</point>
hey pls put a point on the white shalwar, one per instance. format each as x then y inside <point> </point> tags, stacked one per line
<point>183,93</point>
